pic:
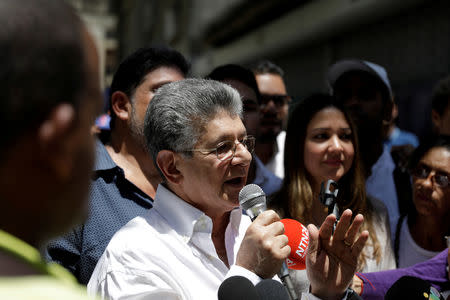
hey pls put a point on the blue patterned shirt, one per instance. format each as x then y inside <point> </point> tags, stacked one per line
<point>113,202</point>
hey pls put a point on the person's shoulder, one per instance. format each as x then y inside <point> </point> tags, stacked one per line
<point>407,137</point>
<point>40,288</point>
<point>138,234</point>
<point>132,231</point>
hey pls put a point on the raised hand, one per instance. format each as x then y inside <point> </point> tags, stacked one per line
<point>332,259</point>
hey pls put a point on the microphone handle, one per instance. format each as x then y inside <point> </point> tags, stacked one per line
<point>287,281</point>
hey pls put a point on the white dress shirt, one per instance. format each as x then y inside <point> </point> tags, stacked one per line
<point>276,163</point>
<point>168,254</point>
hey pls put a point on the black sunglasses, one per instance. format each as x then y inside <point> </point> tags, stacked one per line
<point>278,100</point>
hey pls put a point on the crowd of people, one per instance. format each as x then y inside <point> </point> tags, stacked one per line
<point>147,207</point>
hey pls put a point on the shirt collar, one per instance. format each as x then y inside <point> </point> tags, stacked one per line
<point>184,218</point>
<point>103,161</point>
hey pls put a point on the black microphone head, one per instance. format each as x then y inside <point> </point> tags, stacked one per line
<point>271,289</point>
<point>237,288</point>
<point>252,199</point>
<point>409,287</point>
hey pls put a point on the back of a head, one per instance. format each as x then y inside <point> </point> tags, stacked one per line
<point>236,72</point>
<point>42,58</point>
<point>180,110</point>
<point>135,67</point>
<point>267,67</point>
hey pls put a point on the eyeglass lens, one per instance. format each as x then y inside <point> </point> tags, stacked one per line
<point>423,172</point>
<point>227,149</point>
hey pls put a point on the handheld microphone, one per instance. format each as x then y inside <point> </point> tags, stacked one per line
<point>328,197</point>
<point>253,200</point>
<point>237,288</point>
<point>269,289</point>
<point>298,236</point>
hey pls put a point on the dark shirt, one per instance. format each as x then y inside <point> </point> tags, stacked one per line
<point>113,202</point>
<point>268,181</point>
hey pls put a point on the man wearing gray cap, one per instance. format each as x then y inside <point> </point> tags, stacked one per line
<point>365,90</point>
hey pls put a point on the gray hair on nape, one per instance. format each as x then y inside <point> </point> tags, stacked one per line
<point>179,111</point>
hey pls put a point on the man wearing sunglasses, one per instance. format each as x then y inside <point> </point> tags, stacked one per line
<point>274,104</point>
<point>243,80</point>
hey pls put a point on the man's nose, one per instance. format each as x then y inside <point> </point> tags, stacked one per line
<point>242,156</point>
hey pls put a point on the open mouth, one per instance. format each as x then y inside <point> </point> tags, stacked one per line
<point>333,162</point>
<point>237,181</point>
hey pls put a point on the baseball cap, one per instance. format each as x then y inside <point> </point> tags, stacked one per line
<point>343,66</point>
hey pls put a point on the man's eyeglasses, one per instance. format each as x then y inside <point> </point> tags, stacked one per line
<point>422,171</point>
<point>278,100</point>
<point>227,149</point>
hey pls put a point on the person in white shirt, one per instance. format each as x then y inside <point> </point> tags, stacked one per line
<point>196,236</point>
<point>274,105</point>
<point>421,234</point>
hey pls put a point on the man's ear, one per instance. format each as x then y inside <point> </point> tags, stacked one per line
<point>436,119</point>
<point>167,162</point>
<point>121,105</point>
<point>56,142</point>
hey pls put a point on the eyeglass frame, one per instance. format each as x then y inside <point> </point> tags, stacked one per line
<point>428,170</point>
<point>211,150</point>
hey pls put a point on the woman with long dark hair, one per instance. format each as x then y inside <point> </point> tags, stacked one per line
<point>321,144</point>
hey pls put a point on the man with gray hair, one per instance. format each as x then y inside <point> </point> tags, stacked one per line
<point>196,236</point>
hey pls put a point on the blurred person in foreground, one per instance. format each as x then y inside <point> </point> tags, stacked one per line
<point>364,89</point>
<point>274,104</point>
<point>124,178</point>
<point>321,144</point>
<point>244,82</point>
<point>440,107</point>
<point>196,235</point>
<point>51,96</point>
